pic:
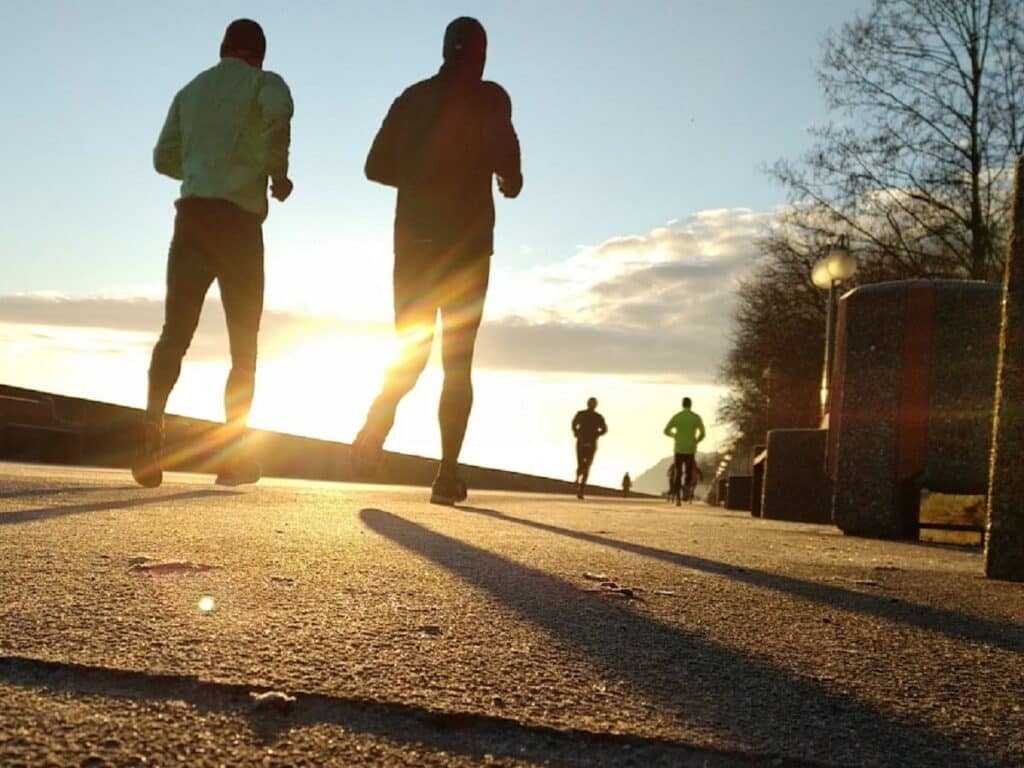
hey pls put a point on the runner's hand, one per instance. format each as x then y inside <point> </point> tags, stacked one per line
<point>280,188</point>
<point>510,187</point>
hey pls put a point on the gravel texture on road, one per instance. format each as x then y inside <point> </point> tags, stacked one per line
<point>146,627</point>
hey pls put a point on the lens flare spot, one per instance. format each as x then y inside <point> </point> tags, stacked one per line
<point>206,603</point>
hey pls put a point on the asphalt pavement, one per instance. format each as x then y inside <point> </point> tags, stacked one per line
<point>301,623</point>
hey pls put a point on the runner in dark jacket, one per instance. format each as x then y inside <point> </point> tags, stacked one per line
<point>440,144</point>
<point>587,425</point>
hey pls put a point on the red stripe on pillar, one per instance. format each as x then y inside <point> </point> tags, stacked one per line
<point>915,378</point>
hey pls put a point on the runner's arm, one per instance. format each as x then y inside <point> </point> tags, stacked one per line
<point>382,164</point>
<point>507,157</point>
<point>277,108</point>
<point>167,153</point>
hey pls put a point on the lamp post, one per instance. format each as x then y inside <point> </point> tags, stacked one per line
<point>833,268</point>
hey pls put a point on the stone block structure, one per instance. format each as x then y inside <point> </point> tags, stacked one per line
<point>738,491</point>
<point>721,489</point>
<point>796,486</point>
<point>912,404</point>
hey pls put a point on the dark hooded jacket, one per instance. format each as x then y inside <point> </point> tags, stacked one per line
<point>440,144</point>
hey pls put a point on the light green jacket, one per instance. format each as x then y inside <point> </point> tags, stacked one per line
<point>687,428</point>
<point>227,131</point>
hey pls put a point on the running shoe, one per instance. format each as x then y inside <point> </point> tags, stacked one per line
<point>366,455</point>
<point>147,469</point>
<point>447,490</point>
<point>240,472</point>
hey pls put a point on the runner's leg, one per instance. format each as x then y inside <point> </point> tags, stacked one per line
<point>415,315</point>
<point>589,449</point>
<point>677,475</point>
<point>188,279</point>
<point>462,309</point>
<point>241,280</point>
<point>691,468</point>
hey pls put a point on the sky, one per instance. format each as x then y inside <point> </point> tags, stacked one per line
<point>645,128</point>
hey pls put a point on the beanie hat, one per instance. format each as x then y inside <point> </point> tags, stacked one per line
<point>464,36</point>
<point>244,36</point>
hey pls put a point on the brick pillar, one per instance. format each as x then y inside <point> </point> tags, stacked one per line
<point>1004,547</point>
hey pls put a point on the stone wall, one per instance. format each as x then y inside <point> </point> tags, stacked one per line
<point>104,437</point>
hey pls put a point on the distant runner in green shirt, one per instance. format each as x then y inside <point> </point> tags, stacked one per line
<point>687,429</point>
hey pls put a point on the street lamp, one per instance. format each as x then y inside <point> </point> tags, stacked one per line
<point>837,265</point>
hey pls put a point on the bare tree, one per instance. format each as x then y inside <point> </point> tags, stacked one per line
<point>930,96</point>
<point>929,99</point>
<point>773,368</point>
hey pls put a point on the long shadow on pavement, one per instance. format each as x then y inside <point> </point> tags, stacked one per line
<point>62,490</point>
<point>1009,637</point>
<point>475,735</point>
<point>721,690</point>
<point>48,513</point>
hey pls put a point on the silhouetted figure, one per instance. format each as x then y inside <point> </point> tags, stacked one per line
<point>674,485</point>
<point>695,479</point>
<point>227,131</point>
<point>687,428</point>
<point>627,483</point>
<point>440,144</point>
<point>587,425</point>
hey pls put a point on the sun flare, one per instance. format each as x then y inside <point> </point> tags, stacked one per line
<point>321,386</point>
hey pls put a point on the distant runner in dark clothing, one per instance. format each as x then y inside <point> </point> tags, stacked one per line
<point>695,479</point>
<point>627,483</point>
<point>587,425</point>
<point>674,486</point>
<point>440,144</point>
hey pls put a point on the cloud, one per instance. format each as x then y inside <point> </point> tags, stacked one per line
<point>122,314</point>
<point>570,348</point>
<point>657,304</point>
<point>139,320</point>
